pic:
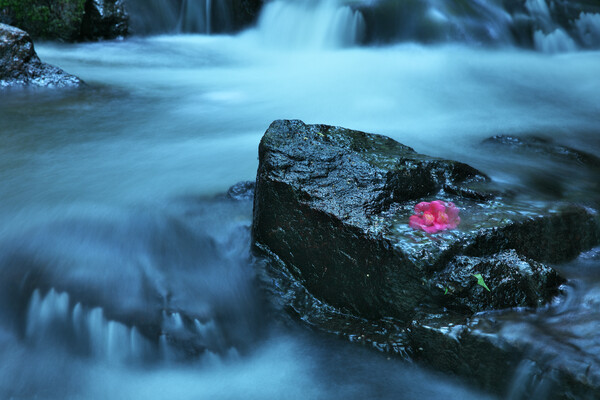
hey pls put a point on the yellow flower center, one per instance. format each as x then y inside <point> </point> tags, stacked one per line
<point>428,218</point>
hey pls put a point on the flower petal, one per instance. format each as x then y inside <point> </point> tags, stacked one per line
<point>422,207</point>
<point>430,229</point>
<point>437,206</point>
<point>434,216</point>
<point>415,222</point>
<point>454,223</point>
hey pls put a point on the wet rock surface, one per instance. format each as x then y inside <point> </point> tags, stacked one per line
<point>515,280</point>
<point>334,204</point>
<point>242,191</point>
<point>331,213</point>
<point>20,65</point>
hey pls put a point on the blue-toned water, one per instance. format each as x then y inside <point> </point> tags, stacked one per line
<point>125,271</point>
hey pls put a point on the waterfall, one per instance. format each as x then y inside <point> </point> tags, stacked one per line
<point>207,19</point>
<point>196,17</point>
<point>180,16</point>
<point>588,29</point>
<point>557,41</point>
<point>310,23</point>
<point>547,26</point>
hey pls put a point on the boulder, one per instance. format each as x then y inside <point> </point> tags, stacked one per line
<point>20,65</point>
<point>333,204</point>
<point>104,19</point>
<point>331,211</point>
<point>241,191</point>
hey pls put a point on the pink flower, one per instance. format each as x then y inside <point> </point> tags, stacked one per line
<point>435,216</point>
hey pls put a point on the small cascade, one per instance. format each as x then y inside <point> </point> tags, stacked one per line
<point>181,16</point>
<point>153,16</point>
<point>557,41</point>
<point>210,334</point>
<point>181,336</point>
<point>558,30</point>
<point>588,29</point>
<point>207,17</point>
<point>311,24</point>
<point>546,25</point>
<point>196,17</point>
<point>539,9</point>
<point>51,318</point>
<point>44,312</point>
<point>548,36</point>
<point>475,21</point>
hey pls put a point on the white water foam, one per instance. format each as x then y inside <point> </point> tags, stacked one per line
<point>557,41</point>
<point>51,318</point>
<point>588,28</point>
<point>310,24</point>
<point>196,16</point>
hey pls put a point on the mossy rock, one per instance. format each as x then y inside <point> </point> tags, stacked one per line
<point>20,65</point>
<point>57,19</point>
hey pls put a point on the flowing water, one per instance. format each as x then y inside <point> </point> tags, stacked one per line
<point>125,271</point>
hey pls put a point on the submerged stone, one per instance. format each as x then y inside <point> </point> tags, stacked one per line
<point>242,191</point>
<point>544,147</point>
<point>513,353</point>
<point>333,204</point>
<point>20,65</point>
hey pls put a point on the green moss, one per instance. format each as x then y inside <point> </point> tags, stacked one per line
<point>47,19</point>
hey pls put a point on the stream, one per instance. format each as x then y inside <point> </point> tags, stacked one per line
<point>125,270</point>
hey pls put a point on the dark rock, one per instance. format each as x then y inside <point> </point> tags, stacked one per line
<point>242,191</point>
<point>512,281</point>
<point>331,213</point>
<point>20,65</point>
<point>333,204</point>
<point>462,347</point>
<point>245,12</point>
<point>104,19</point>
<point>510,352</point>
<point>517,354</point>
<point>55,20</point>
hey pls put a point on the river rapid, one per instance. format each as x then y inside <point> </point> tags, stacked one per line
<point>125,272</point>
